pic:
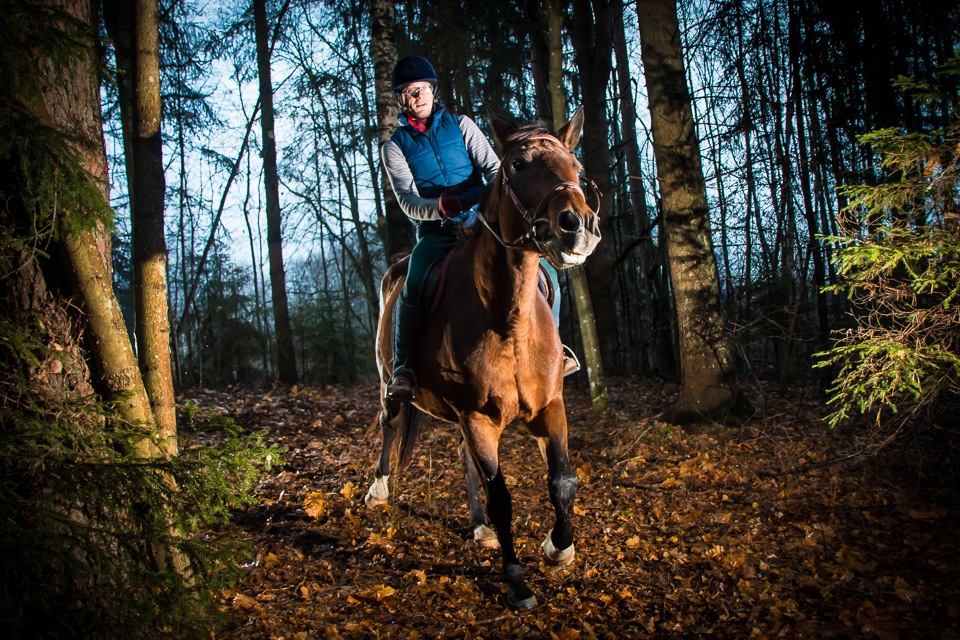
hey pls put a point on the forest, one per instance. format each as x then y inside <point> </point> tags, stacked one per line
<point>195,224</point>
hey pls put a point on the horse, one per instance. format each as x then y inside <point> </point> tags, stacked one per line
<point>490,354</point>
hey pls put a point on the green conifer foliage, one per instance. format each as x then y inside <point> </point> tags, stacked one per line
<point>899,258</point>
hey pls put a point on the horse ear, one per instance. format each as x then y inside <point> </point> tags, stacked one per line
<point>503,127</point>
<point>569,134</point>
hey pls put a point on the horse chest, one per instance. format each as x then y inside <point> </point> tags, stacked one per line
<point>513,375</point>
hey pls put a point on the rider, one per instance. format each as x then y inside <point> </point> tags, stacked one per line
<point>437,164</point>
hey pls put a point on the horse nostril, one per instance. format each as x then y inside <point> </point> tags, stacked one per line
<point>570,222</point>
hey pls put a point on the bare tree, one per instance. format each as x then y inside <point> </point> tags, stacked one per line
<point>592,35</point>
<point>647,305</point>
<point>286,356</point>
<point>581,293</point>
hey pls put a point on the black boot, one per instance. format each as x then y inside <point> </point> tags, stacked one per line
<point>402,385</point>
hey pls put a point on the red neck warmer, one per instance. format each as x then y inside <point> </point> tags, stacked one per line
<point>420,124</point>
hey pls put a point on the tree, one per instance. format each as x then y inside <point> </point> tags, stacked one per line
<point>286,356</point>
<point>649,306</point>
<point>581,293</point>
<point>60,443</point>
<point>709,385</point>
<point>592,35</point>
<point>396,229</point>
<point>337,150</point>
<point>900,259</point>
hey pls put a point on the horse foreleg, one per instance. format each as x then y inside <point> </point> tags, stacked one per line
<point>482,533</point>
<point>558,546</point>
<point>379,492</point>
<point>482,441</point>
<point>500,508</point>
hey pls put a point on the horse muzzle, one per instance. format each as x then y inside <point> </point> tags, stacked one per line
<point>575,237</point>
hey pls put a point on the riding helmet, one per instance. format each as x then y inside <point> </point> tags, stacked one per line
<point>413,69</point>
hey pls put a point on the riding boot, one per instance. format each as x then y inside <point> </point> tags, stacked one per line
<point>402,385</point>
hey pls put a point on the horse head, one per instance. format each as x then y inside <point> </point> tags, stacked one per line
<point>541,202</point>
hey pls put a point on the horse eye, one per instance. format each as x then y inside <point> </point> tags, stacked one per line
<point>517,165</point>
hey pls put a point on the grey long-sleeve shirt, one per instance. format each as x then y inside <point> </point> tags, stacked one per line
<point>401,178</point>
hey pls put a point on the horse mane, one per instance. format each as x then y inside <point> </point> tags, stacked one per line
<point>485,193</point>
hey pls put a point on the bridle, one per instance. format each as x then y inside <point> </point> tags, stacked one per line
<point>536,219</point>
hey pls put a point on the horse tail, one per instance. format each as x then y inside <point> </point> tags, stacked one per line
<point>409,421</point>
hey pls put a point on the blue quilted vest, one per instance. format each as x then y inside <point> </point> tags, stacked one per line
<point>438,156</point>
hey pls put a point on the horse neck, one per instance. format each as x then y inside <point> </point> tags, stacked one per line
<point>507,279</point>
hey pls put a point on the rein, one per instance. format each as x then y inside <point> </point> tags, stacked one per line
<point>535,219</point>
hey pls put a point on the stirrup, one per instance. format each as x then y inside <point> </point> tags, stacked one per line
<point>402,385</point>
<point>570,363</point>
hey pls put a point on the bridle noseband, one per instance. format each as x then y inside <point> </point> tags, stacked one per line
<point>536,218</point>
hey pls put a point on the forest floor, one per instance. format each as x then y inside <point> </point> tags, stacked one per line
<point>768,530</point>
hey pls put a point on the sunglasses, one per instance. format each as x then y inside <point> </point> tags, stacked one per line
<point>415,93</point>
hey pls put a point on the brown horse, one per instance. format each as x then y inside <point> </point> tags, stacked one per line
<point>490,353</point>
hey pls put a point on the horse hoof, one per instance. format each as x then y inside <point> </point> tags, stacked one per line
<point>378,494</point>
<point>372,501</point>
<point>485,537</point>
<point>529,602</point>
<point>554,556</point>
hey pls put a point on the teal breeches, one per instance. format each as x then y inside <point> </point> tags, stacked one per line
<point>552,273</point>
<point>432,244</point>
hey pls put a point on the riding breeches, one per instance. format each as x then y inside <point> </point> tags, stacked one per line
<point>433,242</point>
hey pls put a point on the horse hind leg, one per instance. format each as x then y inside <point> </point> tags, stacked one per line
<point>379,492</point>
<point>482,533</point>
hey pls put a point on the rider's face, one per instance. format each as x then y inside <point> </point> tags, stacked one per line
<point>417,100</point>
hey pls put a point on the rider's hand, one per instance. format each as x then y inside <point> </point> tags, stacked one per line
<point>450,203</point>
<point>469,197</point>
<point>465,219</point>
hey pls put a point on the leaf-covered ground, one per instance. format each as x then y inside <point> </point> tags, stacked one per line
<point>765,530</point>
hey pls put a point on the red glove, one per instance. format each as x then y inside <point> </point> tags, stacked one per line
<point>450,203</point>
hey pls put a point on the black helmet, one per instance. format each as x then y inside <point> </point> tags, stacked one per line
<point>413,69</point>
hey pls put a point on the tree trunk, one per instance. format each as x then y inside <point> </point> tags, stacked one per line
<point>539,55</point>
<point>65,97</point>
<point>138,58</point>
<point>646,249</point>
<point>286,356</point>
<point>709,386</point>
<point>806,189</point>
<point>591,33</point>
<point>581,293</point>
<point>397,232</point>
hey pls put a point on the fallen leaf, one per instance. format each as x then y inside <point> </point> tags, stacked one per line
<point>348,490</point>
<point>314,505</point>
